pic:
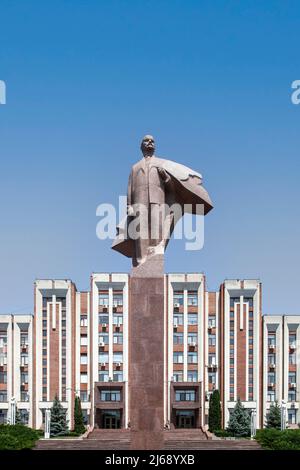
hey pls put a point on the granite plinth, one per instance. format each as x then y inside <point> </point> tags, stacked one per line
<point>146,370</point>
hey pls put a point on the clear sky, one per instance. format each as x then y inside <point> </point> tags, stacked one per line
<point>210,80</point>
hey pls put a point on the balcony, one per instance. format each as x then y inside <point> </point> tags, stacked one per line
<point>293,385</point>
<point>272,366</point>
<point>271,347</point>
<point>292,346</point>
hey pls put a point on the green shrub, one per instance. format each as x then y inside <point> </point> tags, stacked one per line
<point>274,439</point>
<point>17,437</point>
<point>214,412</point>
<point>221,433</point>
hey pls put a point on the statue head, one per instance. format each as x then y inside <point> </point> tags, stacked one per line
<point>148,146</point>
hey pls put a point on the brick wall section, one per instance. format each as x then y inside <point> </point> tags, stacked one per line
<point>73,341</point>
<point>54,354</point>
<point>241,355</point>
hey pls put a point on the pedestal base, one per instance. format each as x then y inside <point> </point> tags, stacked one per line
<point>146,369</point>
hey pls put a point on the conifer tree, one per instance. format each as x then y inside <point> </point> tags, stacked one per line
<point>214,413</point>
<point>239,421</point>
<point>58,421</point>
<point>274,417</point>
<point>79,427</point>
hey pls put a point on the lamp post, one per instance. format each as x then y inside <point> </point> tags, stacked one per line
<point>47,423</point>
<point>12,417</point>
<point>283,415</point>
<point>253,423</point>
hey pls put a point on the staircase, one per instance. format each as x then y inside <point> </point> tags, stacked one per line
<point>184,439</point>
<point>119,439</point>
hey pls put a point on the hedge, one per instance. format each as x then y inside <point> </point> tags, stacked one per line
<point>275,439</point>
<point>17,437</point>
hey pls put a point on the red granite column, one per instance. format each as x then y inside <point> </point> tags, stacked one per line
<point>146,360</point>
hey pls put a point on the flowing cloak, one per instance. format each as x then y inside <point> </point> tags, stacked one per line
<point>186,190</point>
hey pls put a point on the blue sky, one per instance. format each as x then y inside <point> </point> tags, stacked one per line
<point>210,80</point>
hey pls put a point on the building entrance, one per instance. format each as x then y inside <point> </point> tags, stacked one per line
<point>185,419</point>
<point>110,419</point>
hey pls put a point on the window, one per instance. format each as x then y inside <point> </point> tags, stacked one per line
<point>3,396</point>
<point>292,395</point>
<point>3,416</point>
<point>24,415</point>
<point>271,340</point>
<point>271,378</point>
<point>24,359</point>
<point>212,378</point>
<point>118,376</point>
<point>117,357</point>
<point>110,395</point>
<point>211,359</point>
<point>103,299</point>
<point>24,339</point>
<point>83,378</point>
<point>3,359</point>
<point>24,396</point>
<point>192,318</point>
<point>192,376</point>
<point>185,395</point>
<point>271,359</point>
<point>118,300</point>
<point>211,340</point>
<point>24,378</point>
<point>103,338</point>
<point>192,299</point>
<point>292,358</point>
<point>83,340</point>
<point>178,357</point>
<point>211,321</point>
<point>83,320</point>
<point>103,357</point>
<point>103,319</point>
<point>118,319</point>
<point>178,338</point>
<point>292,340</point>
<point>3,340</point>
<point>192,358</point>
<point>3,377</point>
<point>292,416</point>
<point>178,319</point>
<point>292,377</point>
<point>103,376</point>
<point>178,376</point>
<point>118,338</point>
<point>192,338</point>
<point>84,395</point>
<point>178,298</point>
<point>271,395</point>
<point>83,359</point>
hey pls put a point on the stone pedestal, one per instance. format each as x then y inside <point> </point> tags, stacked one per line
<point>146,358</point>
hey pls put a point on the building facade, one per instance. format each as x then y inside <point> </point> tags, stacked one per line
<point>77,343</point>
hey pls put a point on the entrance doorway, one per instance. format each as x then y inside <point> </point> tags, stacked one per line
<point>110,419</point>
<point>185,419</point>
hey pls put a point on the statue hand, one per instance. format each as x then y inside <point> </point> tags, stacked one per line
<point>130,210</point>
<point>163,174</point>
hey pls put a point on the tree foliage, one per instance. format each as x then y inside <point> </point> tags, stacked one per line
<point>79,427</point>
<point>214,413</point>
<point>239,421</point>
<point>58,421</point>
<point>274,417</point>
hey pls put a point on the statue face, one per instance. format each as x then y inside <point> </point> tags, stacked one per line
<point>148,144</point>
